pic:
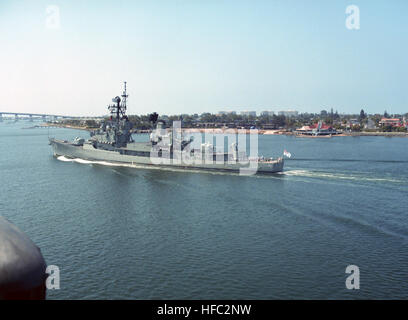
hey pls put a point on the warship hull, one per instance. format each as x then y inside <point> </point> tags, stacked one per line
<point>89,152</point>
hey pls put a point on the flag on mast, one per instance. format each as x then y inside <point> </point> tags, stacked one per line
<point>286,153</point>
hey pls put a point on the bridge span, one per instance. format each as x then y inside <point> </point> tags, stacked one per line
<point>32,116</point>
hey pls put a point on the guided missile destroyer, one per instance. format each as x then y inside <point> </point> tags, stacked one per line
<point>113,143</point>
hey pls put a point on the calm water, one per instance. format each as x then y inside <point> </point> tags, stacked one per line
<point>146,233</point>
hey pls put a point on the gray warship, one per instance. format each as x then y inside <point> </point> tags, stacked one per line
<point>113,143</point>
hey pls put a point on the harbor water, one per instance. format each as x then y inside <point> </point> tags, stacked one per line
<point>139,233</point>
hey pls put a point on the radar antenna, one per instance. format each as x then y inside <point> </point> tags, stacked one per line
<point>119,109</point>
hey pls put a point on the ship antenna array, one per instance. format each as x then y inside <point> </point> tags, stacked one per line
<point>124,97</point>
<point>119,108</point>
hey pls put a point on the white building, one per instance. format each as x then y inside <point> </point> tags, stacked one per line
<point>226,112</point>
<point>288,113</point>
<point>248,113</point>
<point>370,124</point>
<point>267,113</point>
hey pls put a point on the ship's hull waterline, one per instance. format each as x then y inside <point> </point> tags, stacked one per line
<point>87,152</point>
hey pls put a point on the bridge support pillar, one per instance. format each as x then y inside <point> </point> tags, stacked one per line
<point>16,117</point>
<point>44,119</point>
<point>31,118</point>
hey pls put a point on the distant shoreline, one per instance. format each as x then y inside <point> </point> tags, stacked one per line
<point>289,133</point>
<point>260,132</point>
<point>57,125</point>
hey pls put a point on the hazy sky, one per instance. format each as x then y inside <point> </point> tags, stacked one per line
<point>197,56</point>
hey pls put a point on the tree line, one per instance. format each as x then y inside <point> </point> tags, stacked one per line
<point>264,121</point>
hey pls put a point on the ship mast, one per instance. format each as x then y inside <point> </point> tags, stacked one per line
<point>119,109</point>
<point>124,98</point>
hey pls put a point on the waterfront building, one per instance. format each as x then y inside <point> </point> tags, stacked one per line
<point>395,122</point>
<point>352,122</point>
<point>317,129</point>
<point>370,124</point>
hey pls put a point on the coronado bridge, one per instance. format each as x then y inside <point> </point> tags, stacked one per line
<point>38,116</point>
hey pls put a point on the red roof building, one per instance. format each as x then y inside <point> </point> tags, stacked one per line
<point>323,126</point>
<point>317,129</point>
<point>390,122</point>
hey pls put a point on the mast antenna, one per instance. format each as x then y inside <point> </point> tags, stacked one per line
<point>119,108</point>
<point>124,97</point>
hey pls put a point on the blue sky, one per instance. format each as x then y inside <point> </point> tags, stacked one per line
<point>190,56</point>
